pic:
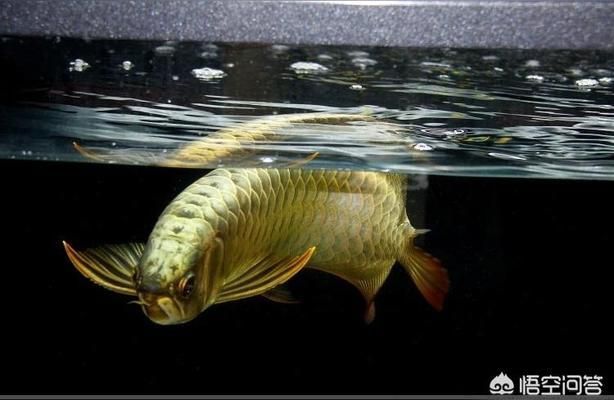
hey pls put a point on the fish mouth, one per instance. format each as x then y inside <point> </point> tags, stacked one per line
<point>164,310</point>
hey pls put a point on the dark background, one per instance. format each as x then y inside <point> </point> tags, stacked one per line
<point>529,261</point>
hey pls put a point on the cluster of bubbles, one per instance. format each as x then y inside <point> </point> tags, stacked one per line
<point>207,74</point>
<point>521,109</point>
<point>305,67</point>
<point>362,60</point>
<point>582,83</point>
<point>357,58</point>
<point>79,65</point>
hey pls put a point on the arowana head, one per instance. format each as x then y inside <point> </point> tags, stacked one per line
<point>173,281</point>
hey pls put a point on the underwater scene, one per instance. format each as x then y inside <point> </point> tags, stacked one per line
<point>209,218</point>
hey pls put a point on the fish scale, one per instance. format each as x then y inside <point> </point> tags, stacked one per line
<point>290,210</point>
<point>240,232</point>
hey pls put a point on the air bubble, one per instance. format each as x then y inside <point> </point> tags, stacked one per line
<point>575,72</point>
<point>587,82</point>
<point>280,48</point>
<point>208,55</point>
<point>363,62</point>
<point>422,147</point>
<point>357,54</point>
<point>209,47</point>
<point>206,74</point>
<point>78,65</point>
<point>455,132</point>
<point>535,78</point>
<point>127,65</point>
<point>304,67</point>
<point>430,64</point>
<point>164,51</point>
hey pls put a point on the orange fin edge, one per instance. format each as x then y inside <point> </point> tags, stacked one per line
<point>86,153</point>
<point>93,272</point>
<point>429,275</point>
<point>369,316</point>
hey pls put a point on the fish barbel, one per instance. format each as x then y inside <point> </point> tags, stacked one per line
<point>242,232</point>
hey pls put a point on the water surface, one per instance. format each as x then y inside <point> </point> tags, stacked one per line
<point>437,111</point>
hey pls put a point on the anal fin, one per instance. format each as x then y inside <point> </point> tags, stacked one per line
<point>370,313</point>
<point>370,287</point>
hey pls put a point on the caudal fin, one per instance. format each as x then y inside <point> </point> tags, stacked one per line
<point>427,273</point>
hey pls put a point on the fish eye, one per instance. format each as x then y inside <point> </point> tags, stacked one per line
<point>186,286</point>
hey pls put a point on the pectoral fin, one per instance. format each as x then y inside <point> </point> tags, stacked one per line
<point>88,154</point>
<point>281,294</point>
<point>300,162</point>
<point>269,273</point>
<point>110,266</point>
<point>120,156</point>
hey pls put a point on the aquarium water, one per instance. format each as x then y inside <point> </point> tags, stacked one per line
<point>510,159</point>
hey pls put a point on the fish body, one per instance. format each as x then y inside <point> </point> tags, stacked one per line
<point>355,220</point>
<point>241,232</point>
<point>233,144</point>
<point>240,141</point>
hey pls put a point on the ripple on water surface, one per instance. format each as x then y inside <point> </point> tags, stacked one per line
<point>443,111</point>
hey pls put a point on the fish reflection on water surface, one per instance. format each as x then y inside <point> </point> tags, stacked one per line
<point>242,232</point>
